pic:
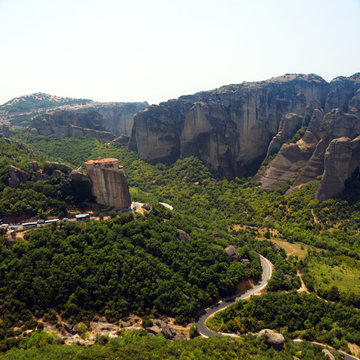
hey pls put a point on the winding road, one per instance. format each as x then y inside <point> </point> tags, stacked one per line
<point>222,304</point>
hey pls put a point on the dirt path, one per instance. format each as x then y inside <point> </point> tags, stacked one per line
<point>303,287</point>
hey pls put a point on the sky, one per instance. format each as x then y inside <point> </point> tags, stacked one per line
<point>155,50</point>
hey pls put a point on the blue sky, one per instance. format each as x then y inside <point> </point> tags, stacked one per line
<point>115,50</point>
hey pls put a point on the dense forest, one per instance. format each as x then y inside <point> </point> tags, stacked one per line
<point>115,267</point>
<point>297,315</point>
<point>137,346</point>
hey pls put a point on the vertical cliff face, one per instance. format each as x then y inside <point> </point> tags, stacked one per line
<point>108,183</point>
<point>228,128</point>
<point>100,120</point>
<point>118,118</point>
<point>329,147</point>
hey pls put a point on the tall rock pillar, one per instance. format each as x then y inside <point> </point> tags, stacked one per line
<point>108,183</point>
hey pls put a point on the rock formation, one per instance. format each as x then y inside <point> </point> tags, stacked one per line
<point>228,128</point>
<point>17,176</point>
<point>118,118</point>
<point>232,252</point>
<point>329,148</point>
<point>272,338</point>
<point>234,127</point>
<point>108,183</point>
<point>184,236</point>
<point>70,124</point>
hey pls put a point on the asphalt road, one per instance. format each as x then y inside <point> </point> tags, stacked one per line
<point>346,356</point>
<point>222,304</point>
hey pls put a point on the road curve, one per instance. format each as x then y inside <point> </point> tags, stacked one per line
<point>346,356</point>
<point>222,304</point>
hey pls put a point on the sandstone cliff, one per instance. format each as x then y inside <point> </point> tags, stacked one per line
<point>118,118</point>
<point>108,183</point>
<point>228,128</point>
<point>70,124</point>
<point>232,127</point>
<point>329,147</point>
<point>100,120</point>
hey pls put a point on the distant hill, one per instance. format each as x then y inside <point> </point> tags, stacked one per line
<point>20,110</point>
<point>118,116</point>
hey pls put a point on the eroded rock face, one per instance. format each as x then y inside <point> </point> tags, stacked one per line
<point>230,127</point>
<point>108,183</point>
<point>17,176</point>
<point>329,147</point>
<point>342,157</point>
<point>118,118</point>
<point>70,124</point>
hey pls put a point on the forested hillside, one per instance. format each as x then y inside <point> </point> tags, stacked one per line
<point>36,196</point>
<point>133,346</point>
<point>101,267</point>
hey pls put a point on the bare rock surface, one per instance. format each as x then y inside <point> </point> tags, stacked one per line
<point>272,338</point>
<point>228,128</point>
<point>65,123</point>
<point>108,183</point>
<point>232,252</point>
<point>328,149</point>
<point>183,236</point>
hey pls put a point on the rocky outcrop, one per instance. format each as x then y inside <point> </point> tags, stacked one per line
<point>108,183</point>
<point>272,338</point>
<point>232,252</point>
<point>118,118</point>
<point>228,128</point>
<point>342,157</point>
<point>17,176</point>
<point>289,123</point>
<point>70,124</point>
<point>328,149</point>
<point>184,236</point>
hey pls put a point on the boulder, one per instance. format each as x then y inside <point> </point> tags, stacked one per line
<point>232,252</point>
<point>183,236</point>
<point>272,338</point>
<point>169,332</point>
